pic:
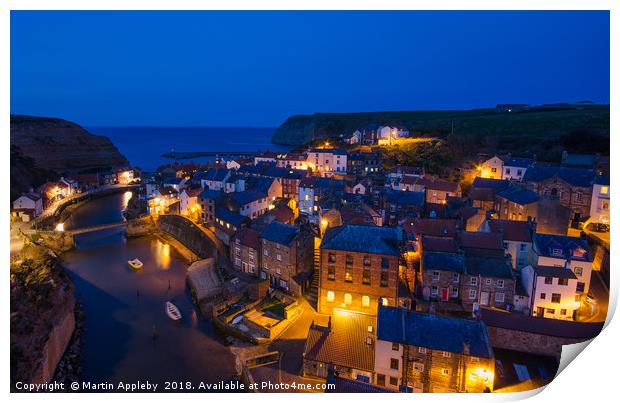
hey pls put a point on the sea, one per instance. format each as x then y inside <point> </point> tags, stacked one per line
<point>143,146</point>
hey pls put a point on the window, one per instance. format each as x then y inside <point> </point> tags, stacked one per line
<point>366,301</point>
<point>445,371</point>
<point>331,258</point>
<point>455,292</point>
<point>604,190</point>
<point>384,301</point>
<point>473,281</point>
<point>418,366</point>
<point>548,280</point>
<point>366,277</point>
<point>557,252</point>
<point>519,172</point>
<point>395,346</point>
<point>551,311</point>
<point>349,260</point>
<point>366,260</point>
<point>500,283</point>
<point>446,354</point>
<point>435,276</point>
<point>562,281</point>
<point>384,279</point>
<point>556,298</point>
<point>507,171</point>
<point>523,247</point>
<point>434,290</point>
<point>380,379</point>
<point>385,263</point>
<point>499,297</point>
<point>563,312</point>
<point>581,286</point>
<point>473,377</point>
<point>455,278</point>
<point>393,363</point>
<point>488,281</point>
<point>578,271</point>
<point>347,298</point>
<point>578,196</point>
<point>331,273</point>
<point>475,359</point>
<point>421,350</point>
<point>393,381</point>
<point>330,296</point>
<point>278,257</point>
<point>473,294</point>
<point>543,295</point>
<point>265,252</point>
<point>348,277</point>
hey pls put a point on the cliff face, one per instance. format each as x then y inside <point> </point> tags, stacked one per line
<point>62,146</point>
<point>44,148</point>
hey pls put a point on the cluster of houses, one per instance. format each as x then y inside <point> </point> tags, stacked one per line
<point>373,134</point>
<point>32,204</point>
<point>402,262</point>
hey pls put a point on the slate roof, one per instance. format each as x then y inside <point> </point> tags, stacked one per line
<point>363,239</point>
<point>432,226</point>
<point>210,194</point>
<point>335,151</point>
<point>434,332</point>
<point>519,195</point>
<point>235,219</point>
<point>579,159</point>
<point>518,231</point>
<point>483,194</point>
<point>406,198</point>
<point>32,196</point>
<point>573,176</point>
<point>321,183</point>
<point>345,343</point>
<point>454,262</point>
<point>279,172</point>
<point>496,184</point>
<point>213,174</point>
<point>519,162</point>
<point>488,267</point>
<point>247,196</point>
<point>569,247</point>
<point>481,240</point>
<point>280,233</point>
<point>552,271</point>
<point>439,244</point>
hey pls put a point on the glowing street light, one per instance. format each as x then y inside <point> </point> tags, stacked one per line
<point>60,227</point>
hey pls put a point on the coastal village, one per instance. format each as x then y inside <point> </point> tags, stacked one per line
<point>330,265</point>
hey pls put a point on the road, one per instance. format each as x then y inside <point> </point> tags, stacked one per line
<point>596,311</point>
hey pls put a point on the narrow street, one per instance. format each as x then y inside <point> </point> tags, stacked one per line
<point>596,310</point>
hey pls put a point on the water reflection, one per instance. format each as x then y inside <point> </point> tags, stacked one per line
<point>161,251</point>
<point>126,197</point>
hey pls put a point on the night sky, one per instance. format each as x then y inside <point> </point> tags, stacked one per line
<point>258,68</point>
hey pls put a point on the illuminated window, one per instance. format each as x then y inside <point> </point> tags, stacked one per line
<point>347,298</point>
<point>384,301</point>
<point>446,354</point>
<point>366,300</point>
<point>445,371</point>
<point>330,296</point>
<point>604,190</point>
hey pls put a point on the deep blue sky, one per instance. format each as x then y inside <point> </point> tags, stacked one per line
<point>257,68</point>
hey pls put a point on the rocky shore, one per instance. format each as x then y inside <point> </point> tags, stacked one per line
<point>69,367</point>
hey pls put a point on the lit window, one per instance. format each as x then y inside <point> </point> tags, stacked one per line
<point>445,371</point>
<point>604,190</point>
<point>384,301</point>
<point>366,300</point>
<point>347,298</point>
<point>330,296</point>
<point>447,354</point>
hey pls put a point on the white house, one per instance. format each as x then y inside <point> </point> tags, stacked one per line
<point>491,168</point>
<point>599,207</point>
<point>28,206</point>
<point>189,200</point>
<point>232,164</point>
<point>327,161</point>
<point>307,197</point>
<point>354,138</point>
<point>514,168</point>
<point>215,179</point>
<point>266,156</point>
<point>567,252</point>
<point>251,203</point>
<point>553,291</point>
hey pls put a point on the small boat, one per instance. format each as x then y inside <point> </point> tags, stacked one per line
<point>172,311</point>
<point>135,264</point>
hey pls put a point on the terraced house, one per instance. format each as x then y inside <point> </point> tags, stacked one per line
<point>359,268</point>
<point>419,352</point>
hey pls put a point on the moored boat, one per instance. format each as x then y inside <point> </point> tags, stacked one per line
<point>172,311</point>
<point>135,264</point>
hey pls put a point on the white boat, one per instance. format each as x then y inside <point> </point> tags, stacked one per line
<point>135,264</point>
<point>172,311</point>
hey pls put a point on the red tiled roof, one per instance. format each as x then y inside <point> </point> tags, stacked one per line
<point>439,244</point>
<point>440,184</point>
<point>520,231</point>
<point>484,194</point>
<point>432,226</point>
<point>249,237</point>
<point>283,214</point>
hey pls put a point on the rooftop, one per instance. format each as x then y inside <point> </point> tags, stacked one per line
<point>279,233</point>
<point>519,231</point>
<point>517,194</point>
<point>454,262</point>
<point>489,267</point>
<point>562,247</point>
<point>496,184</point>
<point>434,332</point>
<point>345,343</point>
<point>363,239</point>
<point>573,176</point>
<point>552,271</point>
<point>519,162</point>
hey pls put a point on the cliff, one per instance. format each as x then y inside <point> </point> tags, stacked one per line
<point>44,148</point>
<point>480,126</point>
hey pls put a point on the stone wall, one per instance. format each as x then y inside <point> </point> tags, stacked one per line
<point>188,234</point>
<point>529,342</point>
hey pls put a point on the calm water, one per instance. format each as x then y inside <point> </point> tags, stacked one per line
<point>143,146</point>
<point>124,309</point>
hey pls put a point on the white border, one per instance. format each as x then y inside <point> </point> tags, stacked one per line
<point>592,377</point>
